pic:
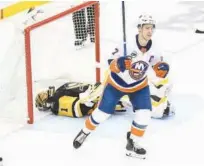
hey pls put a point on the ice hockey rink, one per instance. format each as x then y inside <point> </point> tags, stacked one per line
<point>175,141</point>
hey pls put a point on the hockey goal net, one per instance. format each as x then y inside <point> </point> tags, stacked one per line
<point>62,36</point>
<point>58,48</point>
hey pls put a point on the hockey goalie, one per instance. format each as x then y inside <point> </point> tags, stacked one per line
<point>75,99</point>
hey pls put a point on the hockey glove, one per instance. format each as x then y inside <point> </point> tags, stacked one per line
<point>161,69</point>
<point>124,63</point>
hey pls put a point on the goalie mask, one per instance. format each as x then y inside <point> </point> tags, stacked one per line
<point>41,100</point>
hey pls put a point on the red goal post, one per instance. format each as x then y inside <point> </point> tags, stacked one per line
<point>28,49</point>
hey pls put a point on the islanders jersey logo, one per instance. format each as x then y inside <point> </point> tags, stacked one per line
<point>138,70</point>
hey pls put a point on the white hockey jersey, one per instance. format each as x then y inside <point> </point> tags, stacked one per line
<point>142,58</point>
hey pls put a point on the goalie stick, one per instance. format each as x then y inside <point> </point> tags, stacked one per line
<point>94,92</point>
<point>199,31</point>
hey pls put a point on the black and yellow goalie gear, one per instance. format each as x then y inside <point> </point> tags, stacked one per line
<point>156,101</point>
<point>120,107</point>
<point>69,106</point>
<point>78,86</point>
<point>72,107</point>
<point>92,93</point>
<point>159,106</point>
<point>161,82</point>
<point>41,100</point>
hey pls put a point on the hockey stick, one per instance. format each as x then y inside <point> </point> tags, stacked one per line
<point>91,94</point>
<point>124,28</point>
<point>199,31</point>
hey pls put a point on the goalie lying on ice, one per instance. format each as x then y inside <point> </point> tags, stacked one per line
<point>74,99</point>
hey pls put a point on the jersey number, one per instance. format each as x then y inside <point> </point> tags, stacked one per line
<point>115,51</point>
<point>64,109</point>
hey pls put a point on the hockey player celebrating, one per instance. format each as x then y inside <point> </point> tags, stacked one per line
<point>73,99</point>
<point>128,76</point>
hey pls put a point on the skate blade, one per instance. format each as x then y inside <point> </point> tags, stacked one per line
<point>129,154</point>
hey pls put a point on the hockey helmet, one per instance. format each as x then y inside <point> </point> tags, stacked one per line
<point>145,19</point>
<point>41,100</point>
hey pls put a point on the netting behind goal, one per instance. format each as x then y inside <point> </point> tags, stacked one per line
<point>61,47</point>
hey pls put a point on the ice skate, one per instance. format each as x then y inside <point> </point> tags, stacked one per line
<point>169,111</point>
<point>79,139</point>
<point>133,149</point>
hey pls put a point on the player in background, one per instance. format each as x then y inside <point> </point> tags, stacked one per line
<point>128,76</point>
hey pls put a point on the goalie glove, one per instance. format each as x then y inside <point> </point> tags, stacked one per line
<point>124,63</point>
